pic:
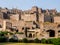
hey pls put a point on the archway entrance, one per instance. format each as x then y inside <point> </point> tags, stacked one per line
<point>51,33</point>
<point>30,35</point>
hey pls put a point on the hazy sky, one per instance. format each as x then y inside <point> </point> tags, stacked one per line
<point>27,4</point>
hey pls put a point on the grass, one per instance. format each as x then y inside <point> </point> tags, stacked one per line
<point>23,44</point>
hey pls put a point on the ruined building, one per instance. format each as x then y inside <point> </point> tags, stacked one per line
<point>34,23</point>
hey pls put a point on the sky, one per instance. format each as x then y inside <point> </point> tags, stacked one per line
<point>27,4</point>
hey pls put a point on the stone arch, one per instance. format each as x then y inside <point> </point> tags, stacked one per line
<point>51,33</point>
<point>30,35</point>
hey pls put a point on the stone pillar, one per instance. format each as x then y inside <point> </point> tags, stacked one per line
<point>4,25</point>
<point>56,34</point>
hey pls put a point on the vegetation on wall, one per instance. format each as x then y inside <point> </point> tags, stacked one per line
<point>19,33</point>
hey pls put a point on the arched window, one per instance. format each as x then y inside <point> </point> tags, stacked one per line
<point>51,33</point>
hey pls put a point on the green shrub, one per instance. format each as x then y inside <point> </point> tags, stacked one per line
<point>43,41</point>
<point>57,41</point>
<point>36,40</point>
<point>49,41</point>
<point>3,39</point>
<point>54,41</point>
<point>20,41</point>
<point>30,41</point>
<point>25,40</point>
<point>19,33</point>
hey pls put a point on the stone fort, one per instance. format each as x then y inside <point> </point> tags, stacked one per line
<point>34,23</point>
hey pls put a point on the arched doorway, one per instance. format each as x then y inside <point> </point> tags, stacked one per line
<point>30,35</point>
<point>51,33</point>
